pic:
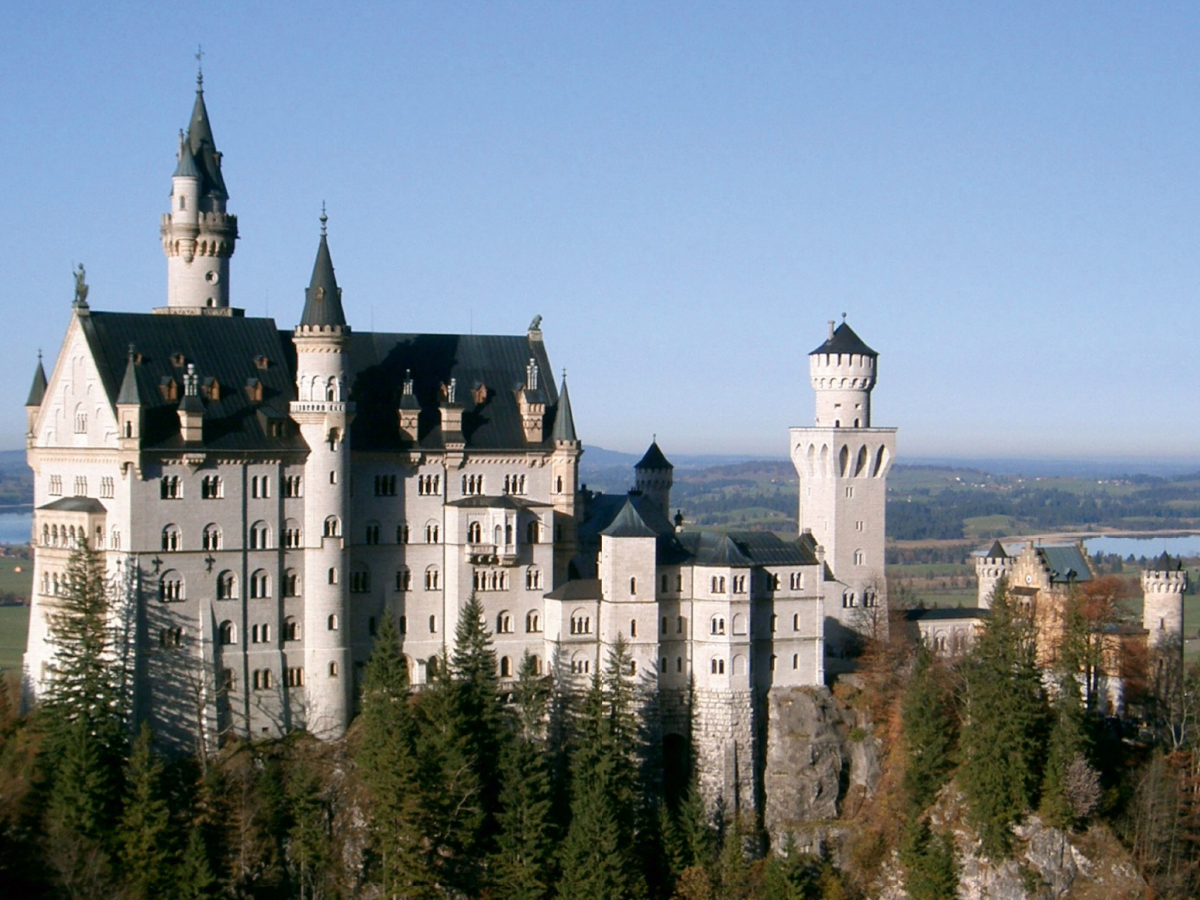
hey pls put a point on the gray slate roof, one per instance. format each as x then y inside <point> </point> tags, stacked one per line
<point>75,504</point>
<point>1066,563</point>
<point>323,300</point>
<point>947,614</point>
<point>845,341</point>
<point>204,149</point>
<point>564,422</point>
<point>628,523</point>
<point>653,459</point>
<point>37,390</point>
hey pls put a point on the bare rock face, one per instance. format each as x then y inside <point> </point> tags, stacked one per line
<point>818,757</point>
<point>1047,863</point>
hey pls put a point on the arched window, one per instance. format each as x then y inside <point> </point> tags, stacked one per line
<point>633,585</point>
<point>228,633</point>
<point>291,629</point>
<point>533,579</point>
<point>581,664</point>
<point>170,637</point>
<point>431,533</point>
<point>212,537</point>
<point>333,622</point>
<point>170,539</point>
<point>717,666</point>
<point>508,533</point>
<point>292,535</point>
<point>226,586</point>
<point>505,667</point>
<point>260,585</point>
<point>170,586</point>
<point>531,532</point>
<point>260,536</point>
<point>859,558</point>
<point>533,622</point>
<point>402,533</point>
<point>333,527</point>
<point>474,533</point>
<point>333,575</point>
<point>403,579</point>
<point>291,583</point>
<point>504,622</point>
<point>717,625</point>
<point>228,681</point>
<point>433,580</point>
<point>581,622</point>
<point>739,623</point>
<point>115,538</point>
<point>333,670</point>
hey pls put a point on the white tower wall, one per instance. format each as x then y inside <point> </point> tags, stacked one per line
<point>1162,604</point>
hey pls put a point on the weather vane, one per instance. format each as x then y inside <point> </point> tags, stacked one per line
<point>324,218</point>
<point>199,54</point>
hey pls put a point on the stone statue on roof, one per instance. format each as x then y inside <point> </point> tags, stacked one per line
<point>81,288</point>
<point>536,324</point>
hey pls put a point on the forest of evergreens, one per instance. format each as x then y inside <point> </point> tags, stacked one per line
<point>467,788</point>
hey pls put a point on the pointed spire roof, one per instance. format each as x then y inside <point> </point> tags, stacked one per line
<point>843,340</point>
<point>186,168</point>
<point>654,459</point>
<point>37,390</point>
<point>129,386</point>
<point>204,148</point>
<point>564,422</point>
<point>628,523</point>
<point>996,551</point>
<point>323,299</point>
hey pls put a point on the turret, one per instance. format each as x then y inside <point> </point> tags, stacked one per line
<point>1164,583</point>
<point>33,403</point>
<point>989,569</point>
<point>653,477</point>
<point>198,235</point>
<point>842,372</point>
<point>323,415</point>
<point>565,485</point>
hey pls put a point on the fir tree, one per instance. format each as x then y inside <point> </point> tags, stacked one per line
<point>145,835</point>
<point>1002,738</point>
<point>195,879</point>
<point>1067,744</point>
<point>386,760</point>
<point>930,870</point>
<point>928,729</point>
<point>520,868</point>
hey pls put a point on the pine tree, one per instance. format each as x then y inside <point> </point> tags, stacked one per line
<point>1067,744</point>
<point>928,729</point>
<point>145,836</point>
<point>1003,735</point>
<point>930,870</point>
<point>386,760</point>
<point>520,867</point>
<point>195,879</point>
<point>309,838</point>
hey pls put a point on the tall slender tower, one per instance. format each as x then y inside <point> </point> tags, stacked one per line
<point>198,235</point>
<point>843,464</point>
<point>1164,582</point>
<point>323,413</point>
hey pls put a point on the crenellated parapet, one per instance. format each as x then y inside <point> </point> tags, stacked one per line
<point>1162,602</point>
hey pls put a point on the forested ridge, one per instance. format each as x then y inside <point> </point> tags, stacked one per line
<point>467,788</point>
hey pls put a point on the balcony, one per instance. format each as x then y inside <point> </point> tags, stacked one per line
<point>491,554</point>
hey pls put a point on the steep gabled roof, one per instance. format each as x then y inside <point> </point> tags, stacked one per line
<point>653,459</point>
<point>564,421</point>
<point>845,341</point>
<point>1066,563</point>
<point>628,523</point>
<point>37,390</point>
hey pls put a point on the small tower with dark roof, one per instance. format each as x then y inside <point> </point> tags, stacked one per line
<point>842,372</point>
<point>564,474</point>
<point>654,476</point>
<point>33,403</point>
<point>324,412</point>
<point>989,569</point>
<point>198,235</point>
<point>1164,582</point>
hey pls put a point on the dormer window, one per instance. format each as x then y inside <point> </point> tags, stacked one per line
<point>261,363</point>
<point>178,360</point>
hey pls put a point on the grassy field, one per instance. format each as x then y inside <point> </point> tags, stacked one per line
<point>14,623</point>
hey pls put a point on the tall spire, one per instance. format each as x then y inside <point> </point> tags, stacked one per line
<point>323,299</point>
<point>564,421</point>
<point>37,391</point>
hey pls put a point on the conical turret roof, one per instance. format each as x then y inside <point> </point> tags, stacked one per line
<point>654,459</point>
<point>564,422</point>
<point>37,390</point>
<point>323,300</point>
<point>844,340</point>
<point>204,150</point>
<point>129,386</point>
<point>186,168</point>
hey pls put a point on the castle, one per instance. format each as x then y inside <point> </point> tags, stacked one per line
<point>265,497</point>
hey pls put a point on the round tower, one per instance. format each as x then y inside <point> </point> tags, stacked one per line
<point>198,235</point>
<point>653,477</point>
<point>842,372</point>
<point>989,569</point>
<point>323,413</point>
<point>1163,586</point>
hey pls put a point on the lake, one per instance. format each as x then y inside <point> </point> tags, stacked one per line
<point>1148,546</point>
<point>15,527</point>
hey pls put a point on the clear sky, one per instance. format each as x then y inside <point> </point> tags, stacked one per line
<point>1003,198</point>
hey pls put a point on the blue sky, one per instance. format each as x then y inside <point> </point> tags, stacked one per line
<point>1002,197</point>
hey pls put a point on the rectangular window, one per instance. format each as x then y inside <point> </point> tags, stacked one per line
<point>295,677</point>
<point>260,486</point>
<point>385,485</point>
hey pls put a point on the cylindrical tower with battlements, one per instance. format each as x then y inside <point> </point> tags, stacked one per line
<point>1163,586</point>
<point>842,372</point>
<point>989,569</point>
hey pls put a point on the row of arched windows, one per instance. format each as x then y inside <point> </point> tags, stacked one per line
<point>258,538</point>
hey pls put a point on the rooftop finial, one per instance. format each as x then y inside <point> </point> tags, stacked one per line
<point>199,54</point>
<point>843,317</point>
<point>324,219</point>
